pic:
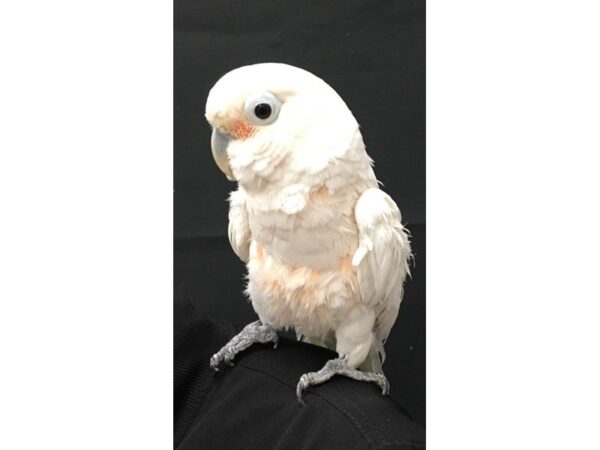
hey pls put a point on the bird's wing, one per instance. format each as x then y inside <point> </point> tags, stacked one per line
<point>239,231</point>
<point>381,259</point>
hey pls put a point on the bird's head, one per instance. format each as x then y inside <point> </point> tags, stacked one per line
<point>271,121</point>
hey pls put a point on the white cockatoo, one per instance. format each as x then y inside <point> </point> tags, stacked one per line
<point>325,248</point>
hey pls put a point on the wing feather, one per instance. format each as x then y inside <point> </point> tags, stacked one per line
<point>381,259</point>
<point>238,230</point>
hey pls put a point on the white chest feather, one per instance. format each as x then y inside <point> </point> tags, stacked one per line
<point>299,270</point>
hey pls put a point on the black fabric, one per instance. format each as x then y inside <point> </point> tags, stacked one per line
<point>253,404</point>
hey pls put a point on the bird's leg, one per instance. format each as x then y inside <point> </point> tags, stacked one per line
<point>339,366</point>
<point>354,338</point>
<point>252,333</point>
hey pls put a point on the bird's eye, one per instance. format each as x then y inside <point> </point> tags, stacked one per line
<point>262,108</point>
<point>262,111</point>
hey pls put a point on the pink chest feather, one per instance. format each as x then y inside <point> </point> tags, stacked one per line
<point>309,300</point>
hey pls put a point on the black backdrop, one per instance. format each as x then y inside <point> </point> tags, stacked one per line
<point>373,54</point>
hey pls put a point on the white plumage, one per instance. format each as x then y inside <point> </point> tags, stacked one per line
<point>325,248</point>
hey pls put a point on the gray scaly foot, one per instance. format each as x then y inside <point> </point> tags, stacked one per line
<point>339,367</point>
<point>252,333</point>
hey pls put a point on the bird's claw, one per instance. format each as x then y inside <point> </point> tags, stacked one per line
<point>214,362</point>
<point>302,384</point>
<point>223,356</point>
<point>339,367</point>
<point>254,332</point>
<point>383,383</point>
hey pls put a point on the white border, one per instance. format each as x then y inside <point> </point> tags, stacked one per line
<point>86,228</point>
<point>513,304</point>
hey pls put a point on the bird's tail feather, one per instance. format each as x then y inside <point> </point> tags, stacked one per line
<point>375,359</point>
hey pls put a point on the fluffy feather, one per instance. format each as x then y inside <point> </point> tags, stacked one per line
<point>325,248</point>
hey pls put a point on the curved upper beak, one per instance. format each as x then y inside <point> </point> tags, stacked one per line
<point>219,142</point>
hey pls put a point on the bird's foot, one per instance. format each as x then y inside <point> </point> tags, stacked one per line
<point>252,333</point>
<point>340,367</point>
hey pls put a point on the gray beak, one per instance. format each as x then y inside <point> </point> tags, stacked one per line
<point>219,142</point>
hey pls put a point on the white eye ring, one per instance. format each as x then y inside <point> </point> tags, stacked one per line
<point>262,108</point>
